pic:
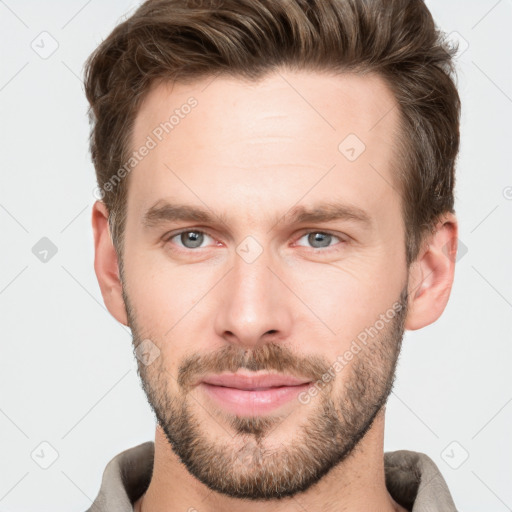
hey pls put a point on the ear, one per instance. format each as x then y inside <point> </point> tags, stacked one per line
<point>431,275</point>
<point>106,264</point>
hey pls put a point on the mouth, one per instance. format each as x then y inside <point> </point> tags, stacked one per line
<point>251,381</point>
<point>252,394</point>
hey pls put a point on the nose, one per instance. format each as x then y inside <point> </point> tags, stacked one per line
<point>255,306</point>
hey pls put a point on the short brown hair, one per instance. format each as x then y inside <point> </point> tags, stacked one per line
<point>185,40</point>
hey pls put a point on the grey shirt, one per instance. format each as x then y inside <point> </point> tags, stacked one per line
<point>412,479</point>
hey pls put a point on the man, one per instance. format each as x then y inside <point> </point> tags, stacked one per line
<point>277,208</point>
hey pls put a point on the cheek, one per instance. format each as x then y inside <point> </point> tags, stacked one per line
<point>161,292</point>
<point>343,299</point>
<point>174,307</point>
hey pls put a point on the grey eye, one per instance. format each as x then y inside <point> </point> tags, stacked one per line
<point>319,239</point>
<point>191,239</point>
<point>323,239</point>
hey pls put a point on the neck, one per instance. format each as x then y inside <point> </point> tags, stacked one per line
<point>357,484</point>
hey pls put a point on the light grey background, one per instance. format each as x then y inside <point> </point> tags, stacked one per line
<point>67,374</point>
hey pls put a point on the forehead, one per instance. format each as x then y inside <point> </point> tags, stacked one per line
<point>282,133</point>
<point>339,103</point>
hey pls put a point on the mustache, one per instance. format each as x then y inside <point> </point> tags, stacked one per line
<point>231,358</point>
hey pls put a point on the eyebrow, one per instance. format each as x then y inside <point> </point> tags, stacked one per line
<point>164,212</point>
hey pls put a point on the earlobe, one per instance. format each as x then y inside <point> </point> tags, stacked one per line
<point>431,276</point>
<point>106,264</point>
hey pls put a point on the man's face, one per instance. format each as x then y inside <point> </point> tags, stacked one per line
<point>256,288</point>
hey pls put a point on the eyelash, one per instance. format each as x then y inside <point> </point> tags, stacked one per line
<point>328,249</point>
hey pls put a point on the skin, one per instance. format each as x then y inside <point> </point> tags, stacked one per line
<point>251,152</point>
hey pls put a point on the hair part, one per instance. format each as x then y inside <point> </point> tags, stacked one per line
<point>187,40</point>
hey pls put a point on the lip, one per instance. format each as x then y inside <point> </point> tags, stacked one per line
<point>252,395</point>
<point>253,382</point>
